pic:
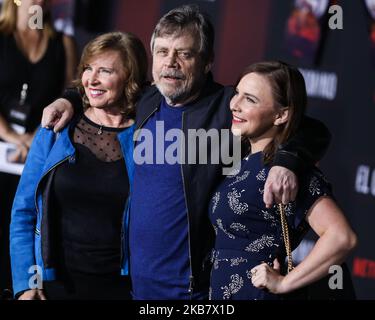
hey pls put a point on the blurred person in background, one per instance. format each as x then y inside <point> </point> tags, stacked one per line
<point>35,65</point>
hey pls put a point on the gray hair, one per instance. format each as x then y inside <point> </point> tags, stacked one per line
<point>188,17</point>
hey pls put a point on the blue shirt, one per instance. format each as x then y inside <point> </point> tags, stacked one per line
<point>158,229</point>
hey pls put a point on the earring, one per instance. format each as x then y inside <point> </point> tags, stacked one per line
<point>17,2</point>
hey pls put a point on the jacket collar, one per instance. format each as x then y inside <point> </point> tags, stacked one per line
<point>152,98</point>
<point>61,149</point>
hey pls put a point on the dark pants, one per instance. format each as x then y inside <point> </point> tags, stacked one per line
<point>89,287</point>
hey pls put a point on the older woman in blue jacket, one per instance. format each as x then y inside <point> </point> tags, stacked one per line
<point>68,235</point>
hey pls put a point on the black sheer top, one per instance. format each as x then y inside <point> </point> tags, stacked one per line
<point>90,197</point>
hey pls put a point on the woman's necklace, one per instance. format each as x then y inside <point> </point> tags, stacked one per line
<point>100,130</point>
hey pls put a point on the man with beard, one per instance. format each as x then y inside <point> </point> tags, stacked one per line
<point>170,236</point>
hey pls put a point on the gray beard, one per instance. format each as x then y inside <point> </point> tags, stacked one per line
<point>181,95</point>
<point>178,96</point>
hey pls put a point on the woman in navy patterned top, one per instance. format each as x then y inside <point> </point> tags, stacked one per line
<point>268,106</point>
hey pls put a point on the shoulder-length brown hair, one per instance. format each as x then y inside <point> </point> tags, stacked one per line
<point>134,59</point>
<point>8,19</point>
<point>289,91</point>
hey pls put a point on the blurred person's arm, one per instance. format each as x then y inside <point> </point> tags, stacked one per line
<point>7,133</point>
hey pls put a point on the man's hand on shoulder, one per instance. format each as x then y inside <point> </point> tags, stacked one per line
<point>57,115</point>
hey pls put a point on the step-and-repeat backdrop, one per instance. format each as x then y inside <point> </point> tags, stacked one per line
<point>333,44</point>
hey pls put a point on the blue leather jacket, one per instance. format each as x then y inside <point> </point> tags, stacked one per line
<point>31,237</point>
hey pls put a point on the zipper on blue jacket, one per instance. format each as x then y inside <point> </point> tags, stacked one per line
<point>44,175</point>
<point>37,231</point>
<point>122,237</point>
<point>123,218</point>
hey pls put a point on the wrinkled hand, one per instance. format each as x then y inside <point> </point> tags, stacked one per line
<point>265,277</point>
<point>33,294</point>
<point>281,186</point>
<point>19,155</point>
<point>57,114</point>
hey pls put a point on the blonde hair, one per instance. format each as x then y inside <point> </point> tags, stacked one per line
<point>8,19</point>
<point>134,59</point>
